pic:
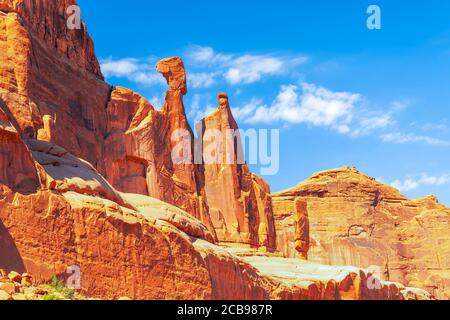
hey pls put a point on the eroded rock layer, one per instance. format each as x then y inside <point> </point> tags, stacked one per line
<point>79,161</point>
<point>355,220</point>
<point>136,246</point>
<point>143,255</point>
<point>138,151</point>
<point>239,201</point>
<point>51,85</point>
<point>17,168</point>
<point>50,80</point>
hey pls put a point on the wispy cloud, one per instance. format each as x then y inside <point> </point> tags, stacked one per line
<point>343,112</point>
<point>301,103</point>
<point>200,107</point>
<point>140,72</point>
<point>369,121</point>
<point>249,69</point>
<point>400,105</point>
<point>307,103</point>
<point>402,138</point>
<point>441,126</point>
<point>412,183</point>
<point>247,110</point>
<point>202,79</point>
<point>242,68</point>
<point>207,55</point>
<point>157,101</point>
<point>206,67</point>
<point>368,124</point>
<point>119,68</point>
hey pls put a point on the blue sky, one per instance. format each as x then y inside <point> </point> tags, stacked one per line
<point>340,94</point>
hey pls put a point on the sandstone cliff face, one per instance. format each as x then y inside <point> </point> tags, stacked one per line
<point>123,252</point>
<point>52,85</point>
<point>140,147</point>
<point>355,220</point>
<point>239,201</point>
<point>301,225</point>
<point>17,168</point>
<point>136,246</point>
<point>50,79</point>
<point>140,141</point>
<point>79,160</point>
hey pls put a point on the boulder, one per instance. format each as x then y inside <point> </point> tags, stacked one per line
<point>15,276</point>
<point>8,287</point>
<point>4,296</point>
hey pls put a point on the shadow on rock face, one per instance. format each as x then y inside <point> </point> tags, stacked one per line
<point>10,259</point>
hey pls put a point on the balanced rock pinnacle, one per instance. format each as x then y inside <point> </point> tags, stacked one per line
<point>173,70</point>
<point>223,101</point>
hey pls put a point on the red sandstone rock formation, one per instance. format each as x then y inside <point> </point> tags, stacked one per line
<point>150,249</point>
<point>123,252</point>
<point>50,72</point>
<point>57,210</point>
<point>239,201</point>
<point>139,144</point>
<point>17,168</point>
<point>301,221</point>
<point>355,220</point>
<point>52,86</point>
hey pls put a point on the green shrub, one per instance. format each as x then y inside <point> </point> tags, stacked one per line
<point>57,285</point>
<point>51,296</point>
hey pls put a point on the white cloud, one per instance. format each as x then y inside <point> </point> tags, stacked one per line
<point>367,124</point>
<point>157,101</point>
<point>425,179</point>
<point>200,107</point>
<point>343,112</point>
<point>247,109</point>
<point>201,54</point>
<point>208,67</point>
<point>134,70</point>
<point>304,103</point>
<point>249,68</point>
<point>242,69</point>
<point>119,68</point>
<point>406,185</point>
<point>401,138</point>
<point>308,104</point>
<point>400,105</point>
<point>202,79</point>
<point>429,126</point>
<point>206,55</point>
<point>147,78</point>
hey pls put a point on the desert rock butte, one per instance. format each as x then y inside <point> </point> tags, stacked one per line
<point>87,178</point>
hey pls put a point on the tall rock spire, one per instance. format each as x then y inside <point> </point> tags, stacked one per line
<point>239,201</point>
<point>141,141</point>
